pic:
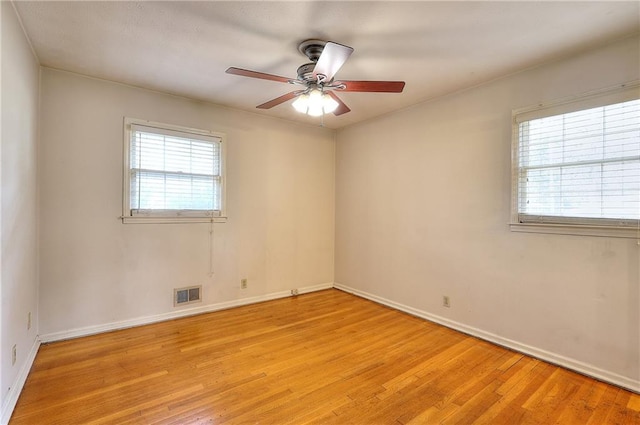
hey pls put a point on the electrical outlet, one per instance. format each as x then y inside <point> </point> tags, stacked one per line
<point>446,302</point>
<point>13,355</point>
<point>294,292</point>
<point>29,321</point>
<point>243,283</point>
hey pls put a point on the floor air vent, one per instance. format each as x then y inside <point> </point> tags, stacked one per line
<point>191,294</point>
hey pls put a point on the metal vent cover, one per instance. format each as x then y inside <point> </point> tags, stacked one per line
<point>187,295</point>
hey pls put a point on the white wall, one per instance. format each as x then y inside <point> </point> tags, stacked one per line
<point>422,211</point>
<point>94,270</point>
<point>18,228</point>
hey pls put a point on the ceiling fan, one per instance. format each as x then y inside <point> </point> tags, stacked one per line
<point>317,93</point>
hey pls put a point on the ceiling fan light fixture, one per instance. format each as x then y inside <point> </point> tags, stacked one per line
<point>301,104</point>
<point>315,110</point>
<point>329,104</point>
<point>315,103</point>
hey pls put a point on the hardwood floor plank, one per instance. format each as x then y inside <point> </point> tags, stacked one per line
<point>604,405</point>
<point>634,402</point>
<point>474,407</point>
<point>322,358</point>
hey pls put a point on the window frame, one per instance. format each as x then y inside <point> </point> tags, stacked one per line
<point>569,225</point>
<point>168,216</point>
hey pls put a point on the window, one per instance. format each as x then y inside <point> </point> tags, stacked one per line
<point>172,174</point>
<point>576,165</point>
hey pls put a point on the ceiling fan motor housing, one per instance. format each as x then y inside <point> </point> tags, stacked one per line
<point>312,49</point>
<point>305,72</point>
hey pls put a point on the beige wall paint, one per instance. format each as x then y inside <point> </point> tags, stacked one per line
<point>422,211</point>
<point>18,229</point>
<point>96,270</point>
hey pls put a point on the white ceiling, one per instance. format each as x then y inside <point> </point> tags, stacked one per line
<point>184,48</point>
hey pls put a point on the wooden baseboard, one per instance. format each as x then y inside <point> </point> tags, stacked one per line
<point>569,363</point>
<point>550,357</point>
<point>139,321</point>
<point>16,388</point>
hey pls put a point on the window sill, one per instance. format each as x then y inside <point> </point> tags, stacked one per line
<point>576,230</point>
<point>171,220</point>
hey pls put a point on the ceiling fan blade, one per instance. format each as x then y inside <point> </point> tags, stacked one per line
<point>256,74</point>
<point>278,100</point>
<point>342,108</point>
<point>372,86</point>
<point>333,56</point>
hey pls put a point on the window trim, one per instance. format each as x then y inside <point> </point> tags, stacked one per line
<point>568,225</point>
<point>182,216</point>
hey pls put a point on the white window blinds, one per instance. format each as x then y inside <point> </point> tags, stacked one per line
<point>174,172</point>
<point>581,166</point>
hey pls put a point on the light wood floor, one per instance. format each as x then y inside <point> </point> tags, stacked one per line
<point>322,358</point>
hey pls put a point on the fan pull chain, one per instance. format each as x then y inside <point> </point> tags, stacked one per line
<point>211,238</point>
